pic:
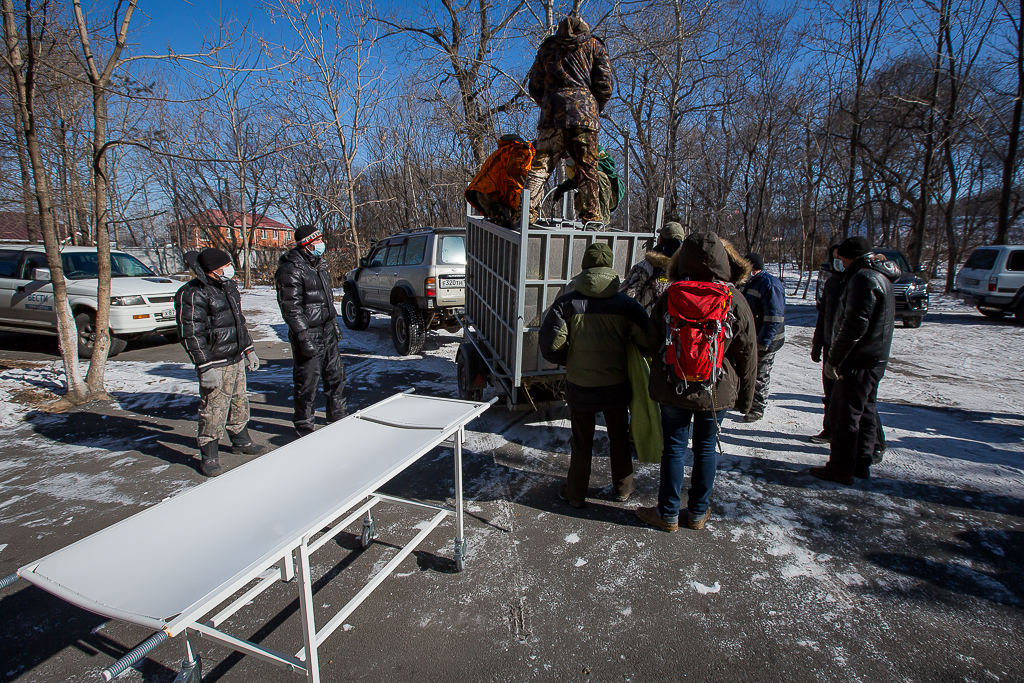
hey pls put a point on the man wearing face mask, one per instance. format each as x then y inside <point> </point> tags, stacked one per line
<point>306,298</point>
<point>212,330</point>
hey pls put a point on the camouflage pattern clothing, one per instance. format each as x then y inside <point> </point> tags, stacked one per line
<point>571,81</point>
<point>552,145</point>
<point>647,280</point>
<point>765,361</point>
<point>223,402</point>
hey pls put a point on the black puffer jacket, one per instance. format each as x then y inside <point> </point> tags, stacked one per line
<point>862,332</point>
<point>826,313</point>
<point>210,321</point>
<point>705,257</point>
<point>305,295</point>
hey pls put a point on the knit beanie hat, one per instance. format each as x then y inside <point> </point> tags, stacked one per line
<point>597,256</point>
<point>853,247</point>
<point>756,262</point>
<point>212,259</point>
<point>672,230</point>
<point>304,234</point>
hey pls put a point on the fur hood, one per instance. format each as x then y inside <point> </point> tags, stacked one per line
<point>658,260</point>
<point>706,256</point>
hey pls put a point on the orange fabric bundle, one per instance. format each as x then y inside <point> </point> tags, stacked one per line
<point>503,175</point>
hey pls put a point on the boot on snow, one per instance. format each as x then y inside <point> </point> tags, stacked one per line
<point>242,444</point>
<point>210,466</point>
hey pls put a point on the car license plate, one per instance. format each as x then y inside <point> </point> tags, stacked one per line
<point>972,281</point>
<point>453,282</point>
<point>166,313</point>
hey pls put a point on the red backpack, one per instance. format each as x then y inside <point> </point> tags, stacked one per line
<point>696,326</point>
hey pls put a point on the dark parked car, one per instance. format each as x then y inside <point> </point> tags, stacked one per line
<point>911,291</point>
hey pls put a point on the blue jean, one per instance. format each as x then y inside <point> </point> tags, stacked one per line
<point>675,429</point>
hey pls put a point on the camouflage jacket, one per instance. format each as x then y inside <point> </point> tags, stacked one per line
<point>571,79</point>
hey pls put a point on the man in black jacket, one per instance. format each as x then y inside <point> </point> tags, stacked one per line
<point>212,330</point>
<point>822,340</point>
<point>306,298</point>
<point>861,340</point>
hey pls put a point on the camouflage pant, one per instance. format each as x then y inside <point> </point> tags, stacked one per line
<point>764,378</point>
<point>227,406</point>
<point>553,145</point>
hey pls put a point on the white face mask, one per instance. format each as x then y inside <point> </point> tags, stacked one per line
<point>229,272</point>
<point>837,265</point>
<point>318,248</point>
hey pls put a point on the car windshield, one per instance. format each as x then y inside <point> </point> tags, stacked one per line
<point>85,265</point>
<point>452,251</point>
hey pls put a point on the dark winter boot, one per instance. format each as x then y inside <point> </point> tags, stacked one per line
<point>210,466</point>
<point>823,437</point>
<point>242,444</point>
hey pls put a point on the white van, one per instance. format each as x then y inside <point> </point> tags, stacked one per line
<point>141,302</point>
<point>992,279</point>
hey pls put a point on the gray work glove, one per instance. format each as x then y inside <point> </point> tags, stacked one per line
<point>252,361</point>
<point>830,371</point>
<point>211,379</point>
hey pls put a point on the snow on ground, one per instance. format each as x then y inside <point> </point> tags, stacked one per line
<point>782,550</point>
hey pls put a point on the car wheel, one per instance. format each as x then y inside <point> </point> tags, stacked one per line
<point>992,313</point>
<point>85,322</point>
<point>407,329</point>
<point>913,322</point>
<point>353,314</point>
<point>465,372</point>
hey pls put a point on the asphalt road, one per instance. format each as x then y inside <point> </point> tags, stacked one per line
<point>883,581</point>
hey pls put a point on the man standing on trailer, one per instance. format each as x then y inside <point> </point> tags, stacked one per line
<point>306,298</point>
<point>571,81</point>
<point>587,331</point>
<point>212,329</point>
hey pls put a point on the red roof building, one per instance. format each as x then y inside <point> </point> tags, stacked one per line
<point>14,228</point>
<point>216,229</point>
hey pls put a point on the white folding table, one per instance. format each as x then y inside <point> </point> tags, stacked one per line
<point>170,567</point>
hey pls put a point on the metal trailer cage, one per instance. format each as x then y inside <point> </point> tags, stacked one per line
<point>272,514</point>
<point>512,278</point>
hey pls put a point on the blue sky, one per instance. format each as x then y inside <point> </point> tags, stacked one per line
<point>181,24</point>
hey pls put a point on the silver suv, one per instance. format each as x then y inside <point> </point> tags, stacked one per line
<point>992,279</point>
<point>417,277</point>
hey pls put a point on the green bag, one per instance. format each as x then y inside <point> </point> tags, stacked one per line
<point>607,166</point>
<point>644,413</point>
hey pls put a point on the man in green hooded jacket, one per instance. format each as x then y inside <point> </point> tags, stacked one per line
<point>587,330</point>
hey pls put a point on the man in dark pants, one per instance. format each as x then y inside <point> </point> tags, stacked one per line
<point>212,329</point>
<point>861,340</point>
<point>306,298</point>
<point>587,331</point>
<point>767,298</point>
<point>823,333</point>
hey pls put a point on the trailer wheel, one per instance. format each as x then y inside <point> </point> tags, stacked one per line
<point>407,333</point>
<point>355,317</point>
<point>465,372</point>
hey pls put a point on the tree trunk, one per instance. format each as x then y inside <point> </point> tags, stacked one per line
<point>1010,160</point>
<point>24,92</point>
<point>26,175</point>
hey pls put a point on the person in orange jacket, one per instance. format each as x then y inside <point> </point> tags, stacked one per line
<point>496,191</point>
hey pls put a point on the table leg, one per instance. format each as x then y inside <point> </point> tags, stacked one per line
<point>460,538</point>
<point>192,665</point>
<point>308,617</point>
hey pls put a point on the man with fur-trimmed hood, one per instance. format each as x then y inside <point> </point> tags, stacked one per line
<point>648,279</point>
<point>571,81</point>
<point>703,257</point>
